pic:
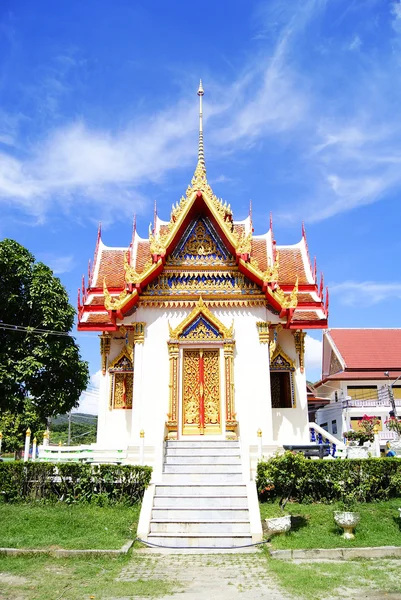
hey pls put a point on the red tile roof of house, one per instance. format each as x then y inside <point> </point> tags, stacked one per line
<point>378,349</point>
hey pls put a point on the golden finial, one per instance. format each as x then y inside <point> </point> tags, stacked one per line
<point>28,432</point>
<point>259,432</point>
<point>142,433</point>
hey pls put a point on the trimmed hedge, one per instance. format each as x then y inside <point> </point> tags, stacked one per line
<point>305,480</point>
<point>73,482</point>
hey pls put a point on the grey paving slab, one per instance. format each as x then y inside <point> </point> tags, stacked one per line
<point>200,576</point>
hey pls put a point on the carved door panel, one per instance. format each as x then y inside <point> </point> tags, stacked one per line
<point>201,410</point>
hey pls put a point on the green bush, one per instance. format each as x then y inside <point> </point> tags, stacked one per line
<point>305,480</point>
<point>73,482</point>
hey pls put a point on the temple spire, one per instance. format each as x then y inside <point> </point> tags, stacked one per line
<point>201,152</point>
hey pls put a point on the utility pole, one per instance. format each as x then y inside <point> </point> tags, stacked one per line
<point>69,429</point>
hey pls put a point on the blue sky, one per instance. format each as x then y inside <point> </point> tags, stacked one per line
<point>98,119</point>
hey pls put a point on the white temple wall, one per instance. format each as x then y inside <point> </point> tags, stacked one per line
<point>121,428</point>
<point>291,425</point>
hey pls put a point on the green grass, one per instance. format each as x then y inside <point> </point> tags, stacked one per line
<point>314,526</point>
<point>44,578</point>
<point>61,526</point>
<point>346,579</point>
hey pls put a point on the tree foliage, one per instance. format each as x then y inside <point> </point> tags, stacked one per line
<point>44,367</point>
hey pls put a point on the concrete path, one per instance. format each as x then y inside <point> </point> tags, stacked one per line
<point>207,576</point>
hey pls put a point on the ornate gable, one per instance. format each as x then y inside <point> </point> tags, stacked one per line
<point>200,245</point>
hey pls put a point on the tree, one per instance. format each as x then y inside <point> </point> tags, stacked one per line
<point>14,427</point>
<point>45,367</point>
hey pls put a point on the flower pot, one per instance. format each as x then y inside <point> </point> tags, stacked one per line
<point>357,452</point>
<point>279,524</point>
<point>348,521</point>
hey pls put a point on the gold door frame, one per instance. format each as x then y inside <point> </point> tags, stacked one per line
<point>176,342</point>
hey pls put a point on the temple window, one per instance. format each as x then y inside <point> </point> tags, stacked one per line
<point>121,382</point>
<point>282,380</point>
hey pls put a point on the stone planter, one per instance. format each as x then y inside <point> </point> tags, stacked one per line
<point>348,521</point>
<point>358,452</point>
<point>279,524</point>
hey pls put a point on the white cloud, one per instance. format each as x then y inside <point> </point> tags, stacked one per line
<point>58,264</point>
<point>89,401</point>
<point>365,293</point>
<point>313,353</point>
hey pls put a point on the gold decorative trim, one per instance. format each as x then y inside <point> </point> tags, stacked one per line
<point>131,276</point>
<point>113,302</point>
<point>201,308</point>
<point>263,331</point>
<point>138,328</point>
<point>271,274</point>
<point>127,351</point>
<point>273,341</point>
<point>172,416</point>
<point>163,302</point>
<point>231,422</point>
<point>280,352</point>
<point>299,337</point>
<point>105,344</point>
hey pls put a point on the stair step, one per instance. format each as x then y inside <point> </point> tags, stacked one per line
<point>201,444</point>
<point>205,469</point>
<point>200,489</point>
<point>201,451</point>
<point>187,501</point>
<point>200,526</point>
<point>189,478</point>
<point>186,513</point>
<point>203,460</point>
<point>200,540</point>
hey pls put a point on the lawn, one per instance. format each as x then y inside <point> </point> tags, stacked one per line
<point>314,526</point>
<point>66,526</point>
<point>354,579</point>
<point>43,578</point>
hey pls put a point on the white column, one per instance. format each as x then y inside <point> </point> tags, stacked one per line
<point>27,443</point>
<point>46,436</point>
<point>141,447</point>
<point>260,443</point>
<point>34,449</point>
<point>137,400</point>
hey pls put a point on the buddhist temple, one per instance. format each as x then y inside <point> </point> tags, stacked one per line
<point>202,329</point>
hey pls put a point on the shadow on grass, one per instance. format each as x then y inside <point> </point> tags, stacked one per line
<point>298,522</point>
<point>397,521</point>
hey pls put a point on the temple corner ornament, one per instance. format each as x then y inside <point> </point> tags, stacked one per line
<point>263,331</point>
<point>273,338</point>
<point>138,330</point>
<point>299,338</point>
<point>105,344</point>
<point>113,302</point>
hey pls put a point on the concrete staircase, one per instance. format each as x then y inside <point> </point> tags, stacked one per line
<point>202,499</point>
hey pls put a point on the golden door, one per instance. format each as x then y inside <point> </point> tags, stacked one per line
<point>201,393</point>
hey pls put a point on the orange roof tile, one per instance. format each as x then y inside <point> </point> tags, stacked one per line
<point>98,318</point>
<point>291,266</point>
<point>142,255</point>
<point>369,348</point>
<point>306,315</point>
<point>111,268</point>
<point>259,252</point>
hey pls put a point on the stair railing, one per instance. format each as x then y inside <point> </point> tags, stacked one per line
<point>318,435</point>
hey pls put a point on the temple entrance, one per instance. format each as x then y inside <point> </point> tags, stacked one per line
<point>201,406</point>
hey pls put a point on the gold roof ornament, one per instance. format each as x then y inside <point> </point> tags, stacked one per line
<point>271,273</point>
<point>131,276</point>
<point>113,302</point>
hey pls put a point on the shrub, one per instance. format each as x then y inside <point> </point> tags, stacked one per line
<point>73,482</point>
<point>307,480</point>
